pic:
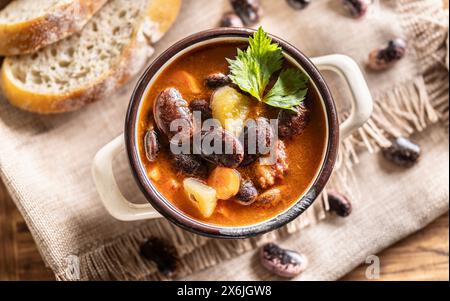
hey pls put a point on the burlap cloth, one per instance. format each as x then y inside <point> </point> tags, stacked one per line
<point>45,160</point>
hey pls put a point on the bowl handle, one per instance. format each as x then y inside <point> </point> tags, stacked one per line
<point>113,200</point>
<point>362,103</point>
<point>122,209</point>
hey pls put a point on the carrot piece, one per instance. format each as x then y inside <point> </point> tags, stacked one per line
<point>184,78</point>
<point>226,182</point>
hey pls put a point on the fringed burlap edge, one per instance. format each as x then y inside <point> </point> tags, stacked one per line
<point>410,106</point>
<point>120,259</point>
<point>406,108</point>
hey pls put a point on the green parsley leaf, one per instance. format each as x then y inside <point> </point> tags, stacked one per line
<point>252,69</point>
<point>289,90</point>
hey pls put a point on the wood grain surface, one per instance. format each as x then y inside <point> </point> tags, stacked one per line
<point>19,257</point>
<point>422,256</point>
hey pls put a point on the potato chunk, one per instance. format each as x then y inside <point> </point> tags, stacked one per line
<point>230,108</point>
<point>226,182</point>
<point>203,196</point>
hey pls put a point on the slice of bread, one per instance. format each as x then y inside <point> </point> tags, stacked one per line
<point>112,48</point>
<point>27,26</point>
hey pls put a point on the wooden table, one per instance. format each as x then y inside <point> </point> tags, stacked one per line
<point>422,256</point>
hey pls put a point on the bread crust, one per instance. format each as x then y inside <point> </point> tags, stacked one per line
<point>132,60</point>
<point>31,35</point>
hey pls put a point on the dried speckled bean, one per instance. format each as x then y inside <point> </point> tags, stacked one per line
<point>202,106</point>
<point>151,145</point>
<point>229,153</point>
<point>231,20</point>
<point>217,80</point>
<point>403,152</point>
<point>269,198</point>
<point>250,11</point>
<point>170,106</point>
<point>298,4</point>
<point>258,136</point>
<point>3,4</point>
<point>357,8</point>
<point>190,164</point>
<point>339,204</point>
<point>162,253</point>
<point>282,262</point>
<point>381,59</point>
<point>247,193</point>
<point>292,123</point>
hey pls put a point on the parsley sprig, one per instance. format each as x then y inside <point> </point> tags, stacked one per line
<point>253,68</point>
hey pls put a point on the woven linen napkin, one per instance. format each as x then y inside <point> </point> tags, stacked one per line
<point>45,160</point>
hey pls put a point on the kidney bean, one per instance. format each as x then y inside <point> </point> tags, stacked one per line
<point>162,253</point>
<point>357,8</point>
<point>339,204</point>
<point>217,80</point>
<point>202,106</point>
<point>231,20</point>
<point>269,198</point>
<point>151,145</point>
<point>298,4</point>
<point>403,152</point>
<point>249,159</point>
<point>381,59</point>
<point>247,193</point>
<point>250,11</point>
<point>292,123</point>
<point>258,137</point>
<point>229,152</point>
<point>168,107</point>
<point>191,164</point>
<point>282,262</point>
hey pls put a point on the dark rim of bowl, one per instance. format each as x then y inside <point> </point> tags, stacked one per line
<point>175,215</point>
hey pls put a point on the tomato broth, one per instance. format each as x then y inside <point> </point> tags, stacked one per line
<point>304,152</point>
